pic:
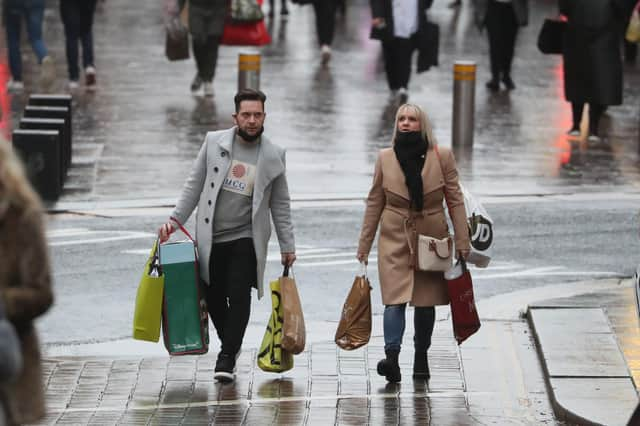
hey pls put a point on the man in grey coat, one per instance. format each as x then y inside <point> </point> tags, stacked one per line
<point>238,183</point>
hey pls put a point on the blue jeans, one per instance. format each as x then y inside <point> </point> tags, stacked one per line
<point>77,17</point>
<point>33,12</point>
<point>394,325</point>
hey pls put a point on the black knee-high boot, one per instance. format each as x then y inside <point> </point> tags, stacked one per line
<point>423,322</point>
<point>389,366</point>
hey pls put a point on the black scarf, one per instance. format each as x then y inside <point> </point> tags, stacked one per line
<point>411,152</point>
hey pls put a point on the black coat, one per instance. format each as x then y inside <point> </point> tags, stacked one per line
<point>426,40</point>
<point>591,53</point>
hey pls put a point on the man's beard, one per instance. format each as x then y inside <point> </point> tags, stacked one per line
<point>250,138</point>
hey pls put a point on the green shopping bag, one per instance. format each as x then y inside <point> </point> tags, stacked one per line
<point>185,328</point>
<point>272,357</point>
<point>148,311</point>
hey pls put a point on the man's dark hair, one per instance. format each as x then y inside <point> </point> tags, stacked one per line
<point>249,95</point>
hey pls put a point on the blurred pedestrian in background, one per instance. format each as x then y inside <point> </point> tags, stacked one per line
<point>25,284</point>
<point>10,358</point>
<point>410,183</point>
<point>502,19</point>
<point>32,12</point>
<point>206,23</point>
<point>398,24</point>
<point>325,11</point>
<point>592,59</point>
<point>77,18</point>
<point>283,7</point>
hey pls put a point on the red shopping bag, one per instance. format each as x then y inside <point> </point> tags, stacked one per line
<point>249,34</point>
<point>463,306</point>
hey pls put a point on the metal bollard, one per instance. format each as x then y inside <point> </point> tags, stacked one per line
<point>249,71</point>
<point>464,87</point>
<point>33,111</point>
<point>51,124</point>
<point>40,153</point>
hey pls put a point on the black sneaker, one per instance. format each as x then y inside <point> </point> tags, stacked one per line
<point>225,371</point>
<point>196,84</point>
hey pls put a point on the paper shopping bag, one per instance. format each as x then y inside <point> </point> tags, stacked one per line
<point>272,357</point>
<point>148,311</point>
<point>293,330</point>
<point>184,315</point>
<point>245,34</point>
<point>354,328</point>
<point>463,306</point>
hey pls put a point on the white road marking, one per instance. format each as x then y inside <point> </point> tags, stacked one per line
<point>113,236</point>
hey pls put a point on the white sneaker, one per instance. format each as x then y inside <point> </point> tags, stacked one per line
<point>73,85</point>
<point>15,86</point>
<point>47,71</point>
<point>325,54</point>
<point>90,78</point>
<point>574,133</point>
<point>208,88</point>
<point>594,139</point>
<point>403,95</point>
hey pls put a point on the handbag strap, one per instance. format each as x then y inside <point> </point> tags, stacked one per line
<point>182,228</point>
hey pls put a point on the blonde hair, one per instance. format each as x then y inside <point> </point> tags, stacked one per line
<point>15,190</point>
<point>425,124</point>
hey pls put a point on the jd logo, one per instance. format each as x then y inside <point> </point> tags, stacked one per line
<point>481,232</point>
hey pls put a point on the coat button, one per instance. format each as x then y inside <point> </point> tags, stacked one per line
<point>223,154</point>
<point>206,220</point>
<point>209,202</point>
<point>212,184</point>
<point>215,169</point>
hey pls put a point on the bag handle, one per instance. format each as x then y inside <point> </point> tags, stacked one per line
<point>433,246</point>
<point>363,270</point>
<point>182,228</point>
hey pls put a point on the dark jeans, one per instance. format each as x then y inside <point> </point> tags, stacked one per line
<point>205,52</point>
<point>394,324</point>
<point>32,11</point>
<point>325,20</point>
<point>502,29</point>
<point>77,17</point>
<point>232,270</point>
<point>595,113</point>
<point>397,61</point>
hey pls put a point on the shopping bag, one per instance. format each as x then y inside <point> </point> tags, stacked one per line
<point>480,230</point>
<point>354,328</point>
<point>551,36</point>
<point>271,357</point>
<point>176,40</point>
<point>633,29</point>
<point>148,311</point>
<point>463,306</point>
<point>293,330</point>
<point>245,34</point>
<point>185,328</point>
<point>244,11</point>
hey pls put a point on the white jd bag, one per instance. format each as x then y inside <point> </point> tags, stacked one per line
<point>480,230</point>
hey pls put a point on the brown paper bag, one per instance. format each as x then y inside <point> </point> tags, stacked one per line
<point>354,329</point>
<point>293,330</point>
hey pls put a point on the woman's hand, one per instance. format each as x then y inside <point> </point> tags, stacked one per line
<point>363,258</point>
<point>165,231</point>
<point>463,254</point>
<point>378,23</point>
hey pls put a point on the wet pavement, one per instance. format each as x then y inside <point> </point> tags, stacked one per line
<point>137,135</point>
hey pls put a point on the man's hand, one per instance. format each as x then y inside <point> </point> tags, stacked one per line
<point>288,259</point>
<point>165,231</point>
<point>363,258</point>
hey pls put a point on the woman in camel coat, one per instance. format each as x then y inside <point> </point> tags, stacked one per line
<point>410,183</point>
<point>25,285</point>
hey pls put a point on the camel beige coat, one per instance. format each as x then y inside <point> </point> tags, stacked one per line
<point>388,205</point>
<point>25,289</point>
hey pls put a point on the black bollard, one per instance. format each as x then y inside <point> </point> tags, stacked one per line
<point>40,153</point>
<point>41,99</point>
<point>33,111</point>
<point>52,124</point>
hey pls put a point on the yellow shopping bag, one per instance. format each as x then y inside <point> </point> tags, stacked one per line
<point>146,319</point>
<point>272,357</point>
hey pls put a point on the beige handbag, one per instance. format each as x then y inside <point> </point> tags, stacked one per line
<point>434,254</point>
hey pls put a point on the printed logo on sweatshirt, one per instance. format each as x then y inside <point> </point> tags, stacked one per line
<point>240,178</point>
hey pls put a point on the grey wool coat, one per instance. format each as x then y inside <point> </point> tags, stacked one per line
<point>270,198</point>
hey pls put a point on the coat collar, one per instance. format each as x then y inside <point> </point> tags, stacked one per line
<point>432,174</point>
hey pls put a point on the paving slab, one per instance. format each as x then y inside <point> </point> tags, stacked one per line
<point>586,372</point>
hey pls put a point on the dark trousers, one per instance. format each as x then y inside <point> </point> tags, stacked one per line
<point>205,51</point>
<point>232,270</point>
<point>32,11</point>
<point>397,54</point>
<point>77,18</point>
<point>325,20</point>
<point>502,29</point>
<point>595,113</point>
